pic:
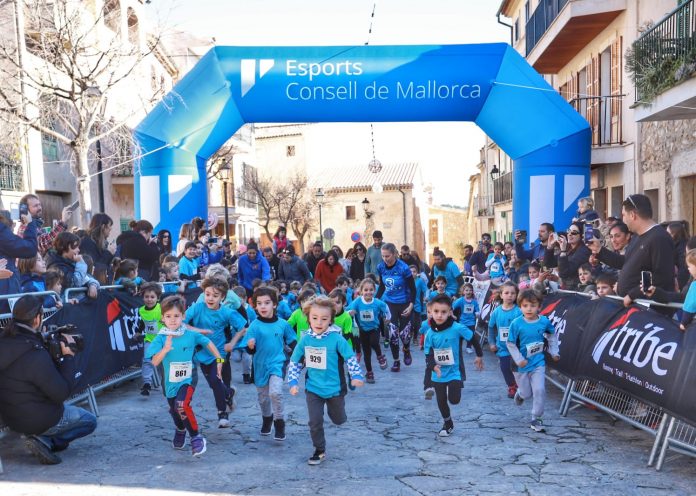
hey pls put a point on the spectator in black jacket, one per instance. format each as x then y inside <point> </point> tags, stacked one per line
<point>573,253</point>
<point>272,260</point>
<point>33,387</point>
<point>478,259</point>
<point>312,257</point>
<point>96,245</point>
<point>650,249</point>
<point>138,244</point>
<point>11,248</point>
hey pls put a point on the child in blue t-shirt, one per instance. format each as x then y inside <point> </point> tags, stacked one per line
<point>239,353</point>
<point>689,307</point>
<point>526,346</point>
<point>212,317</point>
<point>440,287</point>
<point>418,313</point>
<point>266,340</point>
<point>444,359</point>
<point>343,283</point>
<point>498,330</point>
<point>467,308</point>
<point>291,297</point>
<point>368,311</point>
<point>170,271</point>
<point>174,347</point>
<point>188,265</point>
<point>322,348</point>
<point>496,261</point>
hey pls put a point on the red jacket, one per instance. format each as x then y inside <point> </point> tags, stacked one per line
<point>326,274</point>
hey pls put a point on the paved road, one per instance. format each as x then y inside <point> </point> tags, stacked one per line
<point>389,446</point>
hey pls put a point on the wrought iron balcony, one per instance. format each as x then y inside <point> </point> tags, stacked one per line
<point>604,114</point>
<point>502,188</point>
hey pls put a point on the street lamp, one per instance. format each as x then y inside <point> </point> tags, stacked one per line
<point>320,201</point>
<point>224,175</point>
<point>366,206</point>
<point>494,172</point>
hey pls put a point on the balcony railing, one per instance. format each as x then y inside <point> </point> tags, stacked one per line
<point>604,115</point>
<point>483,206</point>
<point>545,13</point>
<point>502,188</point>
<point>11,178</point>
<point>664,55</point>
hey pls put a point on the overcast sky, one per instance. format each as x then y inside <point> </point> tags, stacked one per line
<point>447,152</point>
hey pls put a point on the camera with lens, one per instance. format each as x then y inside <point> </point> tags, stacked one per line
<point>55,335</point>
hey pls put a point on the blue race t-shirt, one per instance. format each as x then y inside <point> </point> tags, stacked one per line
<point>499,326</point>
<point>231,299</point>
<point>321,359</point>
<point>421,291</point>
<point>451,273</point>
<point>202,317</point>
<point>271,336</point>
<point>178,363</point>
<point>496,267</point>
<point>446,350</point>
<point>529,338</point>
<point>468,309</point>
<point>395,280</point>
<point>367,315</point>
<point>188,267</point>
<point>283,310</point>
<point>424,328</point>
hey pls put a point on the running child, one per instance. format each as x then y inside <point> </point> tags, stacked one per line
<point>444,358</point>
<point>239,353</point>
<point>496,261</point>
<point>418,314</point>
<point>368,311</point>
<point>291,297</point>
<point>322,348</point>
<point>212,316</point>
<point>440,287</point>
<point>298,320</point>
<point>174,347</point>
<point>265,341</point>
<point>467,308</point>
<point>499,329</point>
<point>343,320</point>
<point>526,346</point>
<point>149,326</point>
<point>343,283</point>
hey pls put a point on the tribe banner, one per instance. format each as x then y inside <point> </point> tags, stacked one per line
<point>632,349</point>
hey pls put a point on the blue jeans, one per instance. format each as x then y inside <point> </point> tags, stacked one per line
<point>75,423</point>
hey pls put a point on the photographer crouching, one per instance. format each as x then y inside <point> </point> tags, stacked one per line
<point>37,374</point>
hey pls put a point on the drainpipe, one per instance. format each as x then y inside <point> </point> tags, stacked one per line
<point>21,47</point>
<point>403,200</point>
<point>507,25</point>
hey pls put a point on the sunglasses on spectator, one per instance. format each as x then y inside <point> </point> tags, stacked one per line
<point>575,233</point>
<point>630,199</point>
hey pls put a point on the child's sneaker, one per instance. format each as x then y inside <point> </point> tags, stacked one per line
<point>396,366</point>
<point>179,440</point>
<point>447,428</point>
<point>230,400</point>
<point>246,378</point>
<point>511,391</point>
<point>429,393</point>
<point>198,445</point>
<point>223,420</point>
<point>317,457</point>
<point>386,344</point>
<point>382,362</point>
<point>408,360</point>
<point>266,426</point>
<point>279,427</point>
<point>370,378</point>
<point>537,425</point>
<point>518,399</point>
<point>145,390</point>
<point>350,384</point>
<point>469,350</point>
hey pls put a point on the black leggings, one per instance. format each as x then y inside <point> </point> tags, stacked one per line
<point>447,393</point>
<point>181,411</point>
<point>507,372</point>
<point>400,328</point>
<point>220,391</point>
<point>369,340</point>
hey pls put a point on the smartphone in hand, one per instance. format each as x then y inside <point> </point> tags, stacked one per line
<point>646,280</point>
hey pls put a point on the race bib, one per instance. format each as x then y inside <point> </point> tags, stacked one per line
<point>367,315</point>
<point>468,308</point>
<point>534,349</point>
<point>179,371</point>
<point>151,327</point>
<point>444,356</point>
<point>315,358</point>
<point>503,334</point>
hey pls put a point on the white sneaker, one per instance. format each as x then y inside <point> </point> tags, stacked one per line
<point>469,350</point>
<point>223,421</point>
<point>429,393</point>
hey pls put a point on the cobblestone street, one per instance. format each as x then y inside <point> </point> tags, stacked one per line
<point>388,446</point>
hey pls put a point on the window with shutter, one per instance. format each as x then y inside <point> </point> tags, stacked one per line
<point>616,87</point>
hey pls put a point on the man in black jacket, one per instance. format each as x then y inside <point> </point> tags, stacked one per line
<point>650,249</point>
<point>33,387</point>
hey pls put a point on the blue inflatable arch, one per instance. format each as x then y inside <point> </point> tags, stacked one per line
<point>489,84</point>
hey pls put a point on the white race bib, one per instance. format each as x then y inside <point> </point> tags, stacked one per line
<point>534,349</point>
<point>315,358</point>
<point>503,334</point>
<point>444,356</point>
<point>151,327</point>
<point>367,315</point>
<point>468,308</point>
<point>179,371</point>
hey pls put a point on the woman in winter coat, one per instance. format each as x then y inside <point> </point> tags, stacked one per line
<point>138,244</point>
<point>11,248</point>
<point>328,270</point>
<point>96,243</point>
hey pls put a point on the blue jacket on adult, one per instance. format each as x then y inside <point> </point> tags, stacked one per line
<point>12,247</point>
<point>249,270</point>
<point>536,252</point>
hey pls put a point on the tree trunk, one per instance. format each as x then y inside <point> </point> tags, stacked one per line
<point>83,187</point>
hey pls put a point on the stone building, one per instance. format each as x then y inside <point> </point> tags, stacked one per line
<point>643,137</point>
<point>448,230</point>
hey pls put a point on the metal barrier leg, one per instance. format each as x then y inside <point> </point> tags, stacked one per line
<point>92,399</point>
<point>566,395</point>
<point>156,382</point>
<point>568,398</point>
<point>665,444</point>
<point>658,439</point>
